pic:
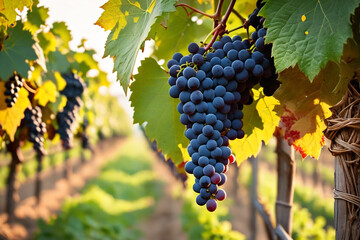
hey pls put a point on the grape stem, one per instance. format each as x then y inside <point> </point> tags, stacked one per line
<point>238,15</point>
<point>220,29</point>
<point>27,87</point>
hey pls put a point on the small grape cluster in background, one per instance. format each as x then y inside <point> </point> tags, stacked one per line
<point>12,88</point>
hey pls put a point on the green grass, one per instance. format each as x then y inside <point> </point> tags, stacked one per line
<point>112,205</point>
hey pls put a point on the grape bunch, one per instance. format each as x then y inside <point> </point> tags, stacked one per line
<point>36,127</point>
<point>66,118</point>
<point>213,86</point>
<point>13,86</point>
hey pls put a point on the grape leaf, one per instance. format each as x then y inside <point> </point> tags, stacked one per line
<point>46,93</point>
<point>123,43</point>
<point>7,9</point>
<point>63,34</point>
<point>10,118</point>
<point>261,132</point>
<point>36,17</point>
<point>47,42</point>
<point>304,108</point>
<point>180,31</point>
<point>17,49</point>
<point>307,33</point>
<point>57,62</point>
<point>112,16</point>
<point>152,104</point>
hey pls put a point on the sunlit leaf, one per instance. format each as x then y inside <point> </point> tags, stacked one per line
<point>46,93</point>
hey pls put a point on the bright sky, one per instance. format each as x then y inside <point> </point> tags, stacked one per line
<point>80,16</point>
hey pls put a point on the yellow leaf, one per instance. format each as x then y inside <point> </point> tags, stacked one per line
<point>10,118</point>
<point>46,93</point>
<point>112,15</point>
<point>251,144</point>
<point>60,81</point>
<point>8,7</point>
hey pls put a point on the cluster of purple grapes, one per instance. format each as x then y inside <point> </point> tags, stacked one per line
<point>66,118</point>
<point>12,88</point>
<point>213,86</point>
<point>37,128</point>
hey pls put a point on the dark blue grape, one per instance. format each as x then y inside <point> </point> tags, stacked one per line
<point>189,72</point>
<point>220,116</point>
<point>198,172</point>
<point>229,73</point>
<point>231,134</point>
<point>250,64</point>
<point>223,179</point>
<point>201,75</point>
<point>243,55</point>
<point>236,38</point>
<point>198,59</point>
<point>215,61</point>
<point>195,144</point>
<point>209,170</point>
<point>209,95</point>
<point>217,71</point>
<point>193,48</point>
<point>185,59</point>
<point>196,97</point>
<point>180,108</point>
<point>189,108</point>
<point>219,53</point>
<point>181,83</point>
<point>196,187</point>
<point>205,181</point>
<point>197,128</point>
<point>262,32</point>
<point>232,54</point>
<point>202,107</point>
<point>220,91</point>
<point>258,57</point>
<point>207,84</point>
<point>172,81</point>
<point>217,45</point>
<point>195,158</point>
<point>240,134</point>
<point>174,91</point>
<point>216,153</point>
<point>225,39</point>
<point>242,76</point>
<point>258,70</point>
<point>189,167</point>
<point>208,130</point>
<point>206,67</point>
<point>205,193</point>
<point>213,188</point>
<point>227,123</point>
<point>260,44</point>
<point>177,56</point>
<point>229,98</point>
<point>193,83</point>
<point>211,119</point>
<point>189,133</point>
<point>184,119</point>
<point>219,167</point>
<point>171,63</point>
<point>228,46</point>
<point>220,195</point>
<point>254,36</point>
<point>203,151</point>
<point>225,62</point>
<point>200,201</point>
<point>222,81</point>
<point>197,117</point>
<point>238,45</point>
<point>211,145</point>
<point>173,71</point>
<point>226,152</point>
<point>190,150</point>
<point>238,65</point>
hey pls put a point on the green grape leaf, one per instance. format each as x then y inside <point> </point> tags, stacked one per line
<point>47,42</point>
<point>124,42</point>
<point>262,109</point>
<point>63,34</point>
<point>36,17</point>
<point>57,62</point>
<point>18,48</point>
<point>8,7</point>
<point>180,31</point>
<point>83,62</point>
<point>152,104</point>
<point>307,33</point>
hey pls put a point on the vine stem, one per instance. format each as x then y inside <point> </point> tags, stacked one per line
<point>220,28</point>
<point>184,5</point>
<point>27,87</point>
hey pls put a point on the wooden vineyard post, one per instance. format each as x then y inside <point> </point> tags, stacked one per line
<point>286,167</point>
<point>253,195</point>
<point>343,129</point>
<point>39,158</point>
<point>12,185</point>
